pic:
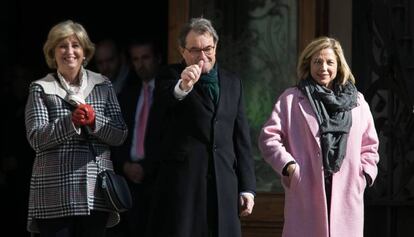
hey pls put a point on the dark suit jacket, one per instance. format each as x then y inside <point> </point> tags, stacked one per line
<point>182,137</point>
<point>135,218</point>
<point>128,99</point>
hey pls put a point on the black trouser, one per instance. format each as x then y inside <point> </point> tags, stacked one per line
<point>328,193</point>
<point>137,217</point>
<point>212,206</point>
<point>93,225</point>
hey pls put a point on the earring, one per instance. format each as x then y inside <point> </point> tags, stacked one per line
<point>85,62</point>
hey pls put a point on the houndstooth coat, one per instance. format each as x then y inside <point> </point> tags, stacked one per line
<point>64,171</point>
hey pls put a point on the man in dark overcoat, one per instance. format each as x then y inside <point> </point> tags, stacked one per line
<point>198,144</point>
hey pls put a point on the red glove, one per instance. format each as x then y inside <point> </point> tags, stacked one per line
<point>84,114</point>
<point>90,114</point>
<point>79,117</point>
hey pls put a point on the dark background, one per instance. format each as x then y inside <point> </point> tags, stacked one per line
<point>28,23</point>
<point>25,28</point>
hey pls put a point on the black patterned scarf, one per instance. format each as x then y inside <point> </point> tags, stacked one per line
<point>333,111</point>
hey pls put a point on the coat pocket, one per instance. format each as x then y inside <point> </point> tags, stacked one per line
<point>362,180</point>
<point>294,180</point>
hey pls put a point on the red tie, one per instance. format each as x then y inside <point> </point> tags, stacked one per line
<point>143,116</point>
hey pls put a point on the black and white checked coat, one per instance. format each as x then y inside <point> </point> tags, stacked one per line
<point>64,172</point>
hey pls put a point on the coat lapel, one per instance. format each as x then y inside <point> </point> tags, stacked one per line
<point>224,85</point>
<point>93,79</point>
<point>51,85</point>
<point>204,97</point>
<point>310,118</point>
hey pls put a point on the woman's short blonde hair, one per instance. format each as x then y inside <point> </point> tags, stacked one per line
<point>61,31</point>
<point>344,73</point>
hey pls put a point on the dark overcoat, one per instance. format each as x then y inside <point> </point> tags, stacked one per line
<point>183,137</point>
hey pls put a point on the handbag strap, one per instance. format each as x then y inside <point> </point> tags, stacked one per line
<point>91,148</point>
<point>87,136</point>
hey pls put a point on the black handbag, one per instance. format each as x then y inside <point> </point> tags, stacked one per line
<point>116,190</point>
<point>115,187</point>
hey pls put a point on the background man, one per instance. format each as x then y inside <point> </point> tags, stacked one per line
<point>110,62</point>
<point>135,100</point>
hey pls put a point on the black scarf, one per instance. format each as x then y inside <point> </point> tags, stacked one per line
<point>210,82</point>
<point>333,110</point>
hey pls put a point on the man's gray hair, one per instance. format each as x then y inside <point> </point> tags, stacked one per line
<point>200,26</point>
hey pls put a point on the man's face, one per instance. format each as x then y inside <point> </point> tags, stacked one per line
<point>199,47</point>
<point>144,61</point>
<point>107,61</point>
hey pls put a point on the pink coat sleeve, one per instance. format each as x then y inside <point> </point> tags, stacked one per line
<point>271,138</point>
<point>370,142</point>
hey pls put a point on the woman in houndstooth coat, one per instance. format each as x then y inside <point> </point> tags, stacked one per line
<point>69,113</point>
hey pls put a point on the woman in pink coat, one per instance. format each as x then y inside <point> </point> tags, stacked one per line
<point>321,139</point>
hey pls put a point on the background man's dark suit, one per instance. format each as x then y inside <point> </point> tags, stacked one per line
<point>145,60</point>
<point>135,219</point>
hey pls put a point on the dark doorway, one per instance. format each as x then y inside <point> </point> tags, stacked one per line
<point>28,23</point>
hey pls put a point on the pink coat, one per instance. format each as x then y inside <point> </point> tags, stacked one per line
<point>292,134</point>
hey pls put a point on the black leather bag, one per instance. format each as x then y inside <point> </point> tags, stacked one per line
<point>114,186</point>
<point>116,190</point>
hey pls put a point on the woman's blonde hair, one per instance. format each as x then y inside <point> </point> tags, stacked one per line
<point>61,31</point>
<point>344,73</point>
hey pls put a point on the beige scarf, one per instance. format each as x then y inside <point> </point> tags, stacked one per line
<point>75,92</point>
